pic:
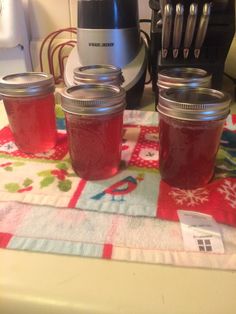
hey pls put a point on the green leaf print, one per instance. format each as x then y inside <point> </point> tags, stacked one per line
<point>74,175</point>
<point>59,112</point>
<point>45,173</point>
<point>47,181</point>
<point>8,168</point>
<point>27,182</point>
<point>12,187</point>
<point>62,166</point>
<point>64,185</point>
<point>18,163</point>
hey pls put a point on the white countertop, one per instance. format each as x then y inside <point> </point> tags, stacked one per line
<point>41,283</point>
<point>45,283</point>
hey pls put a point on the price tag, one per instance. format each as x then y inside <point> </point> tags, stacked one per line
<point>200,232</point>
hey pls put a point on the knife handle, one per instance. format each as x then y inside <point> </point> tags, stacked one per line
<point>202,28</point>
<point>178,28</point>
<point>166,29</point>
<point>162,6</point>
<point>190,28</point>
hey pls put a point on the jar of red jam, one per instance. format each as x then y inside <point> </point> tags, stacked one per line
<point>191,124</point>
<point>29,103</point>
<point>98,74</point>
<point>183,78</point>
<point>94,122</point>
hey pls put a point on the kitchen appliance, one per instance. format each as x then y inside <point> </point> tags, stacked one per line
<point>191,34</point>
<point>14,40</point>
<point>108,33</point>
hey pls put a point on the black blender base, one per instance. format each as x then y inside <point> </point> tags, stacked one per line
<point>134,95</point>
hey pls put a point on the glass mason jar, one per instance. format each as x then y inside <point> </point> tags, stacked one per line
<point>29,103</point>
<point>183,78</point>
<point>94,122</point>
<point>190,126</point>
<point>98,74</point>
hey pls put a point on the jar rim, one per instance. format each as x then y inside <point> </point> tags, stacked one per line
<point>98,73</point>
<point>26,84</point>
<point>196,104</point>
<point>84,70</point>
<point>93,99</point>
<point>183,73</point>
<point>180,76</point>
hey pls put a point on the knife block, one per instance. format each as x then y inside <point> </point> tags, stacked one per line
<point>220,33</point>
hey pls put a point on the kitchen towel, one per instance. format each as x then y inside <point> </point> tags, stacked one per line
<point>137,190</point>
<point>46,207</point>
<point>109,236</point>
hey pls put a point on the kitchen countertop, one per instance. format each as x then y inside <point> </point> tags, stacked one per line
<point>46,283</point>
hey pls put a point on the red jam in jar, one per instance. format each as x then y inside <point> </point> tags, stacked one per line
<point>29,102</point>
<point>94,121</point>
<point>191,124</point>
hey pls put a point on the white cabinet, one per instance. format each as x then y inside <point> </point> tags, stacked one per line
<point>14,39</point>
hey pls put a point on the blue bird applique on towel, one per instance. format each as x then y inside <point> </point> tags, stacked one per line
<point>120,188</point>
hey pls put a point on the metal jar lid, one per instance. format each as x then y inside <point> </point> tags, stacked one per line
<point>197,104</point>
<point>26,84</point>
<point>98,73</point>
<point>93,99</point>
<point>180,77</point>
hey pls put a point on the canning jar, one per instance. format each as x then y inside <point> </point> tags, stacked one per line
<point>98,74</point>
<point>29,103</point>
<point>191,124</point>
<point>94,121</point>
<point>183,78</point>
